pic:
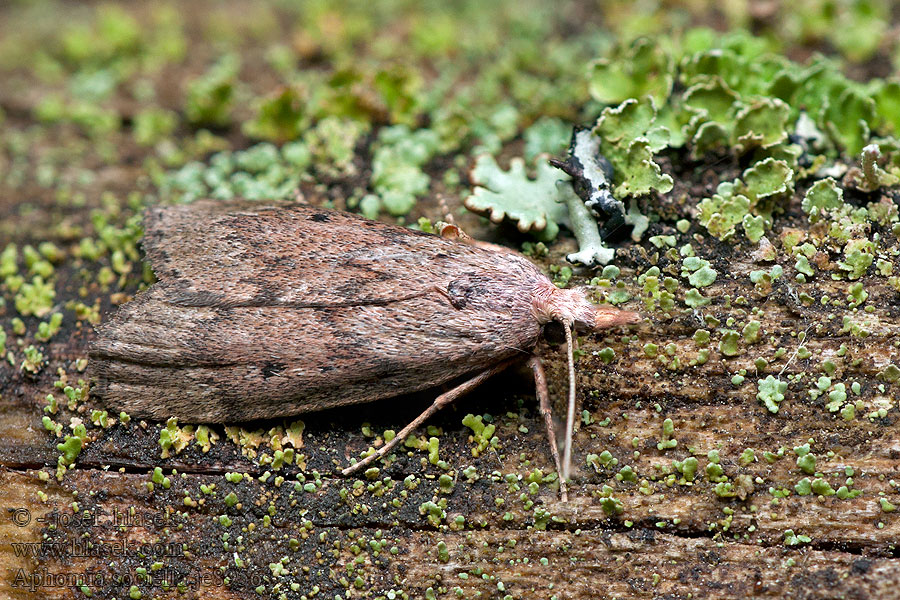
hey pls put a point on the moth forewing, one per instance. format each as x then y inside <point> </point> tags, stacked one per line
<point>268,311</point>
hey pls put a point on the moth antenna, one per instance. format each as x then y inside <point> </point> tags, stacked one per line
<point>570,415</point>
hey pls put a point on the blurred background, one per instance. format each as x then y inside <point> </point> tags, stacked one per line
<point>372,105</point>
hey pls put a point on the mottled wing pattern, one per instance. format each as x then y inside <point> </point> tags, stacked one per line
<point>277,311</point>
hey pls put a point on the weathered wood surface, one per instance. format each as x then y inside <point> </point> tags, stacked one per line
<point>487,531</point>
<point>671,540</point>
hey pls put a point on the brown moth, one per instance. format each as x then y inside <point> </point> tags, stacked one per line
<point>272,311</point>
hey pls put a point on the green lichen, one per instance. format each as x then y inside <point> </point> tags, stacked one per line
<point>433,448</point>
<point>890,374</point>
<point>548,135</point>
<point>48,329</point>
<point>756,194</point>
<point>604,460</point>
<point>172,437</point>
<point>858,257</point>
<point>763,279</point>
<point>714,471</point>
<point>802,265</point>
<point>532,203</point>
<point>821,487</point>
<point>806,460</point>
<point>824,195</point>
<point>8,261</point>
<point>754,227</point>
<point>698,272</point>
<point>688,469</point>
<point>626,473</point>
<point>280,117</point>
<point>210,97</point>
<point>35,298</point>
<point>483,434</point>
<point>612,506</point>
<point>33,362</point>
<point>634,71</point>
<point>695,299</point>
<point>261,172</point>
<point>762,124</point>
<point>606,355</point>
<point>629,139</point>
<point>332,144</point>
<point>666,440</point>
<point>846,118</point>
<point>771,392</point>
<point>836,398</point>
<point>701,337</point>
<point>71,446</point>
<point>728,345</point>
<point>792,539</point>
<point>433,512</point>
<point>397,176</point>
<point>750,332</point>
<point>870,176</point>
<point>206,438</point>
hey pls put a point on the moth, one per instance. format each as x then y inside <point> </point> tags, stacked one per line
<point>272,311</point>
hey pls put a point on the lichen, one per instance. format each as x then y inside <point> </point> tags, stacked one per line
<point>771,392</point>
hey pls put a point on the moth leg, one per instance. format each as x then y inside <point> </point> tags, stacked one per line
<point>439,403</point>
<point>543,394</point>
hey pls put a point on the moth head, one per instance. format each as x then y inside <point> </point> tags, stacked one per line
<point>571,307</point>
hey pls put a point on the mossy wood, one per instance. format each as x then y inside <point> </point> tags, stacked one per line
<point>741,442</point>
<point>670,538</point>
